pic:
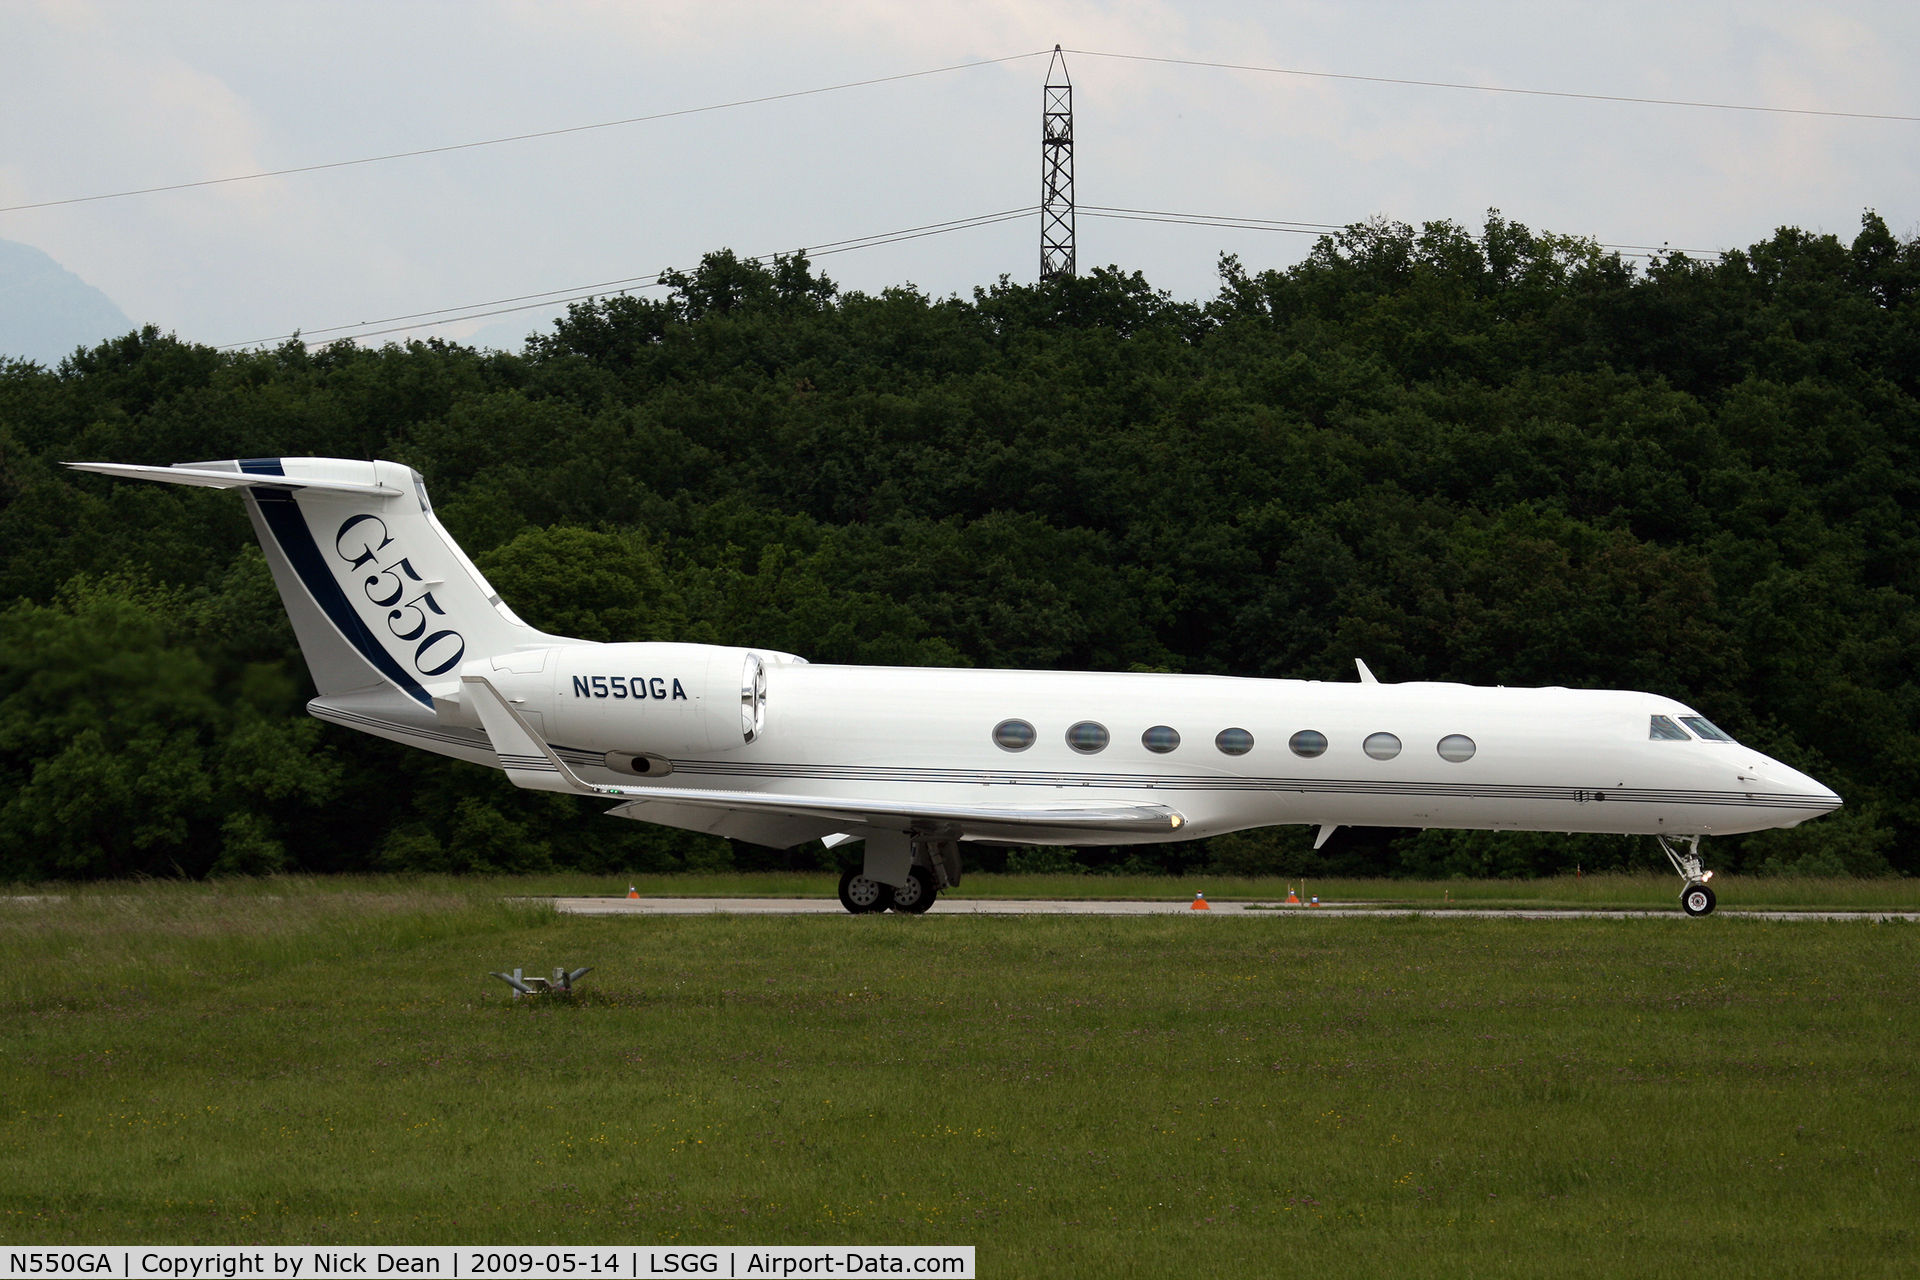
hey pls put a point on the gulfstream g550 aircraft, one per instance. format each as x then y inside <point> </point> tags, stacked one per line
<point>406,641</point>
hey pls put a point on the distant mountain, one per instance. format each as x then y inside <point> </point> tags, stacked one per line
<point>46,310</point>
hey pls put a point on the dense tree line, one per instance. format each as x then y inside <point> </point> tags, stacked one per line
<point>1502,457</point>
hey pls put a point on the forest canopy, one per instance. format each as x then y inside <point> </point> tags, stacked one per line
<point>1498,457</point>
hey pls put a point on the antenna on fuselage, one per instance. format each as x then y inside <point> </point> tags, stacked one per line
<point>1366,676</point>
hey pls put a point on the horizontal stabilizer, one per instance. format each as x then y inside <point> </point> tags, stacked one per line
<point>227,479</point>
<point>531,763</point>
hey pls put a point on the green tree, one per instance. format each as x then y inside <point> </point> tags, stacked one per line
<point>587,584</point>
<point>120,754</point>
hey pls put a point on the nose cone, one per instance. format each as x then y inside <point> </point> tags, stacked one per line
<point>1796,789</point>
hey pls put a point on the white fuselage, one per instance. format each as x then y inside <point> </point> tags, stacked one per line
<point>1542,759</point>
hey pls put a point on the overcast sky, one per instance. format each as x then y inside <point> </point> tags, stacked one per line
<point>100,97</point>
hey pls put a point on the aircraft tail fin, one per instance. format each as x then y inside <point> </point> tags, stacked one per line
<point>378,591</point>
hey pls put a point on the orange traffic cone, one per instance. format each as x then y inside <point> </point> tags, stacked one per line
<point>1293,899</point>
<point>632,892</point>
<point>1200,903</point>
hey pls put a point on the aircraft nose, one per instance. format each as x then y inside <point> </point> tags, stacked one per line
<point>1810,794</point>
<point>1828,798</point>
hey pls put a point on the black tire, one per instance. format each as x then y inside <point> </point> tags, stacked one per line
<point>917,894</point>
<point>862,896</point>
<point>1697,900</point>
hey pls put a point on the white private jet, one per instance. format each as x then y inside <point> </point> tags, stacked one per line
<point>407,641</point>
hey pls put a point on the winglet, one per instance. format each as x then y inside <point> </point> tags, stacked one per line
<point>1366,676</point>
<point>528,760</point>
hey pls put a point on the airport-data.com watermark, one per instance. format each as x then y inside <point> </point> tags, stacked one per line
<point>486,1262</point>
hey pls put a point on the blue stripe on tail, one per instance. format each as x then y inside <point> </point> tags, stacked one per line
<point>289,528</point>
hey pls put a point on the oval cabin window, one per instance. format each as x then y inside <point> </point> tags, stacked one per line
<point>1160,739</point>
<point>1233,742</point>
<point>1308,743</point>
<point>1456,747</point>
<point>1013,735</point>
<point>1087,737</point>
<point>1382,746</point>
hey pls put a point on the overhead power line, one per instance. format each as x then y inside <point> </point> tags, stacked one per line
<point>934,71</point>
<point>521,137</point>
<point>1494,88</point>
<point>579,293</point>
<point>1236,223</point>
<point>1211,220</point>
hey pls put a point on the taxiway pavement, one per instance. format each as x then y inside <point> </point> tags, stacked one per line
<point>1095,907</point>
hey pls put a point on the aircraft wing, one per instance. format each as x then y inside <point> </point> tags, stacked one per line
<point>531,763</point>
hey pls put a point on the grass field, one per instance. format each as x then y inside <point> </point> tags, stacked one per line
<point>292,1061</point>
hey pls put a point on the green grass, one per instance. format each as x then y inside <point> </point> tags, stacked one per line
<point>300,1061</point>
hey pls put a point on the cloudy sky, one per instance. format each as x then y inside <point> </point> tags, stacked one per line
<point>100,97</point>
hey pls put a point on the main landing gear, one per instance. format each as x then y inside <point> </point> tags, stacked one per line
<point>930,865</point>
<point>862,895</point>
<point>1696,899</point>
<point>917,894</point>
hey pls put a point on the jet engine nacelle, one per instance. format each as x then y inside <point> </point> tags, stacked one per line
<point>629,699</point>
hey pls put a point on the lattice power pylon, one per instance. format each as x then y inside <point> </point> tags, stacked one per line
<point>1056,172</point>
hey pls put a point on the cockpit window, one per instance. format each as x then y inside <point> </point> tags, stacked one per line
<point>1664,730</point>
<point>1706,728</point>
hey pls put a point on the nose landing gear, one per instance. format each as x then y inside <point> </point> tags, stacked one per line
<point>1696,899</point>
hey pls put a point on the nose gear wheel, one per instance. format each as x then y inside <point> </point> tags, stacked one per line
<point>1696,899</point>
